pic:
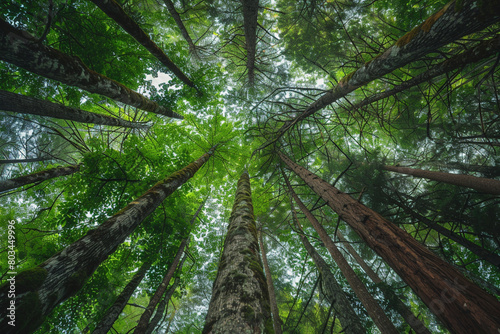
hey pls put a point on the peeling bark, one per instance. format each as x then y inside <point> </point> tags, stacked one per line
<point>40,176</point>
<point>240,301</point>
<point>116,12</point>
<point>461,305</point>
<point>116,309</point>
<point>372,307</point>
<point>250,12</point>
<point>481,184</point>
<point>330,287</point>
<point>29,105</point>
<point>21,49</point>
<point>277,322</point>
<point>40,289</point>
<point>438,30</point>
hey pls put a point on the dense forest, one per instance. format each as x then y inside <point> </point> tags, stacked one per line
<point>208,166</point>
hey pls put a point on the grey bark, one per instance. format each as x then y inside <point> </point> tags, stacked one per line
<point>29,105</point>
<point>250,12</point>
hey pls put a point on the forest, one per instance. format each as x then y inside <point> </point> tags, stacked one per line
<point>249,166</point>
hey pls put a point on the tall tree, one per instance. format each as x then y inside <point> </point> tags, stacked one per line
<point>116,12</point>
<point>459,304</point>
<point>250,10</point>
<point>177,18</point>
<point>372,307</point>
<point>45,286</point>
<point>22,49</point>
<point>240,301</point>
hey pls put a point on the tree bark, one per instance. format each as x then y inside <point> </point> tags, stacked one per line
<point>250,12</point>
<point>23,161</point>
<point>40,176</point>
<point>372,307</point>
<point>177,18</point>
<point>415,323</point>
<point>116,309</point>
<point>457,302</point>
<point>277,322</point>
<point>330,287</point>
<point>155,299</point>
<point>443,27</point>
<point>21,49</point>
<point>160,310</point>
<point>40,289</point>
<point>483,50</point>
<point>240,301</point>
<point>28,105</point>
<point>116,12</point>
<point>484,185</point>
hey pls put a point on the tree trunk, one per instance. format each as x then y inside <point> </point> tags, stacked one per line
<point>484,185</point>
<point>116,309</point>
<point>331,289</point>
<point>457,302</point>
<point>28,105</point>
<point>155,299</point>
<point>40,176</point>
<point>23,161</point>
<point>484,254</point>
<point>250,12</point>
<point>483,50</point>
<point>40,289</point>
<point>171,9</point>
<point>21,49</point>
<point>277,323</point>
<point>240,301</point>
<point>415,323</point>
<point>372,307</point>
<point>162,307</point>
<point>443,27</point>
<point>116,12</point>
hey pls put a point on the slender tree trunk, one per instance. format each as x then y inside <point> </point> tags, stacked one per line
<point>250,13</point>
<point>443,27</point>
<point>40,176</point>
<point>240,301</point>
<point>116,309</point>
<point>21,49</point>
<point>372,307</point>
<point>28,105</point>
<point>484,185</point>
<point>162,307</point>
<point>457,302</point>
<point>415,323</point>
<point>155,299</point>
<point>484,254</point>
<point>171,9</point>
<point>331,289</point>
<point>22,161</point>
<point>116,12</point>
<point>483,50</point>
<point>40,289</point>
<point>277,323</point>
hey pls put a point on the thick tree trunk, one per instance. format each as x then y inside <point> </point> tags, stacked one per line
<point>162,306</point>
<point>40,176</point>
<point>484,185</point>
<point>330,287</point>
<point>240,301</point>
<point>116,12</point>
<point>21,49</point>
<point>40,289</point>
<point>171,9</point>
<point>277,323</point>
<point>457,302</point>
<point>250,12</point>
<point>483,50</point>
<point>415,323</point>
<point>29,105</point>
<point>456,19</point>
<point>155,299</point>
<point>484,254</point>
<point>372,307</point>
<point>116,309</point>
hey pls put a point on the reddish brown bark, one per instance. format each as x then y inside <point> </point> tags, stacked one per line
<point>481,184</point>
<point>372,307</point>
<point>461,305</point>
